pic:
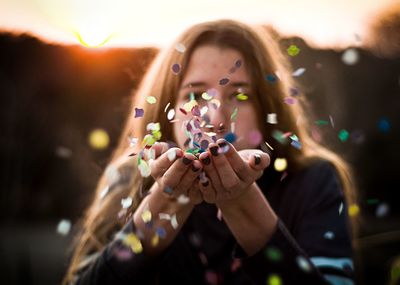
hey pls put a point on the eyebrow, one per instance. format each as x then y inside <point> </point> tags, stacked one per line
<point>200,84</point>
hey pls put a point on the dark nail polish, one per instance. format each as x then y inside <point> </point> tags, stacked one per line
<point>206,160</point>
<point>205,184</point>
<point>257,159</point>
<point>214,150</point>
<point>186,160</point>
<point>222,144</point>
<point>194,168</point>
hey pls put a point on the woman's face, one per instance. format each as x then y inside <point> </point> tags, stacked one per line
<point>208,70</point>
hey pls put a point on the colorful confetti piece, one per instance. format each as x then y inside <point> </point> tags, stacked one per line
<point>290,100</point>
<point>126,202</point>
<point>176,68</point>
<point>280,164</point>
<point>272,118</point>
<point>303,263</point>
<point>234,113</point>
<point>329,235</point>
<point>273,254</point>
<point>171,114</point>
<point>293,50</point>
<point>343,135</point>
<point>298,72</point>
<point>133,242</point>
<point>180,48</point>
<point>139,113</point>
<point>350,56</point>
<point>230,137</point>
<point>274,279</point>
<point>353,210</point>
<point>242,97</point>
<point>224,81</point>
<point>99,139</point>
<point>64,227</point>
<point>151,100</point>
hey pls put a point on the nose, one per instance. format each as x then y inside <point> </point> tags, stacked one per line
<point>219,118</point>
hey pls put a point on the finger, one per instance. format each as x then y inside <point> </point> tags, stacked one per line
<point>239,166</point>
<point>173,175</point>
<point>158,149</point>
<point>162,163</point>
<point>227,176</point>
<point>258,160</point>
<point>207,190</point>
<point>188,178</point>
<point>210,170</point>
<point>194,193</point>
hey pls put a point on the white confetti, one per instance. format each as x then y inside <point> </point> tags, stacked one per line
<point>163,216</point>
<point>63,152</point>
<point>63,227</point>
<point>104,192</point>
<point>303,263</point>
<point>171,114</point>
<point>382,210</point>
<point>174,222</point>
<point>350,56</point>
<point>271,118</point>
<point>126,202</point>
<point>180,48</point>
<point>183,199</point>
<point>171,155</point>
<point>340,208</point>
<point>329,235</point>
<point>298,72</point>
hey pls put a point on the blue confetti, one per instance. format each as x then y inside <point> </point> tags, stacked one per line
<point>230,137</point>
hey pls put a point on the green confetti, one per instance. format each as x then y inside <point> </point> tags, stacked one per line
<point>273,254</point>
<point>321,122</point>
<point>293,50</point>
<point>343,135</point>
<point>274,279</point>
<point>234,114</point>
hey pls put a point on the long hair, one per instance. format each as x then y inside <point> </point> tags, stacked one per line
<point>263,58</point>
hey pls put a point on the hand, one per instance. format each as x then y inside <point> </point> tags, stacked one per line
<point>175,173</point>
<point>231,173</point>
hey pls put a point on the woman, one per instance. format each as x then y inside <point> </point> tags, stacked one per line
<point>209,207</point>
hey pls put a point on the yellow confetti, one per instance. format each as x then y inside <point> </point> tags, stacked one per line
<point>274,279</point>
<point>155,240</point>
<point>242,97</point>
<point>280,164</point>
<point>189,105</point>
<point>151,99</point>
<point>354,210</point>
<point>205,96</point>
<point>133,242</point>
<point>98,139</point>
<point>146,216</point>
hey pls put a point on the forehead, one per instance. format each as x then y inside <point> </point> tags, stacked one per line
<point>211,62</point>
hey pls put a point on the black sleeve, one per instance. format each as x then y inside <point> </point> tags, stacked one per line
<point>317,250</point>
<point>119,265</point>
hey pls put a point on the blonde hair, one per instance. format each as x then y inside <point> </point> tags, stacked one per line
<point>264,57</point>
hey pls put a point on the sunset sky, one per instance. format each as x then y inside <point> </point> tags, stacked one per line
<point>324,23</point>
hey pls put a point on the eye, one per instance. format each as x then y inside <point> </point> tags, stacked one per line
<point>193,96</point>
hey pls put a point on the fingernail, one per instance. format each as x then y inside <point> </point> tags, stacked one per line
<point>222,144</point>
<point>194,168</point>
<point>186,160</point>
<point>205,184</point>
<point>214,150</point>
<point>257,159</point>
<point>206,160</point>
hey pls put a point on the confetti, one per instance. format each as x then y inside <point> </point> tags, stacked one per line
<point>255,137</point>
<point>132,141</point>
<point>206,96</point>
<point>171,114</point>
<point>144,168</point>
<point>303,263</point>
<point>321,122</point>
<point>382,210</point>
<point>180,48</point>
<point>63,227</point>
<point>290,100</point>
<point>238,63</point>
<point>161,232</point>
<point>234,113</point>
<point>273,254</point>
<point>174,222</point>
<point>350,56</point>
<point>271,78</point>
<point>163,216</point>
<point>242,97</point>
<point>298,72</point>
<point>230,137</point>
<point>99,139</point>
<point>155,240</point>
<point>293,50</point>
<point>176,68</point>
<point>340,208</point>
<point>331,120</point>
<point>139,113</point>
<point>353,210</point>
<point>384,125</point>
<point>151,100</point>
<point>171,154</point>
<point>126,202</point>
<point>280,164</point>
<point>329,235</point>
<point>224,81</point>
<point>63,152</point>
<point>104,192</point>
<point>294,91</point>
<point>183,199</point>
<point>296,144</point>
<point>146,216</point>
<point>166,107</point>
<point>168,190</point>
<point>215,103</point>
<point>133,242</point>
<point>343,135</point>
<point>279,136</point>
<point>272,118</point>
<point>274,279</point>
